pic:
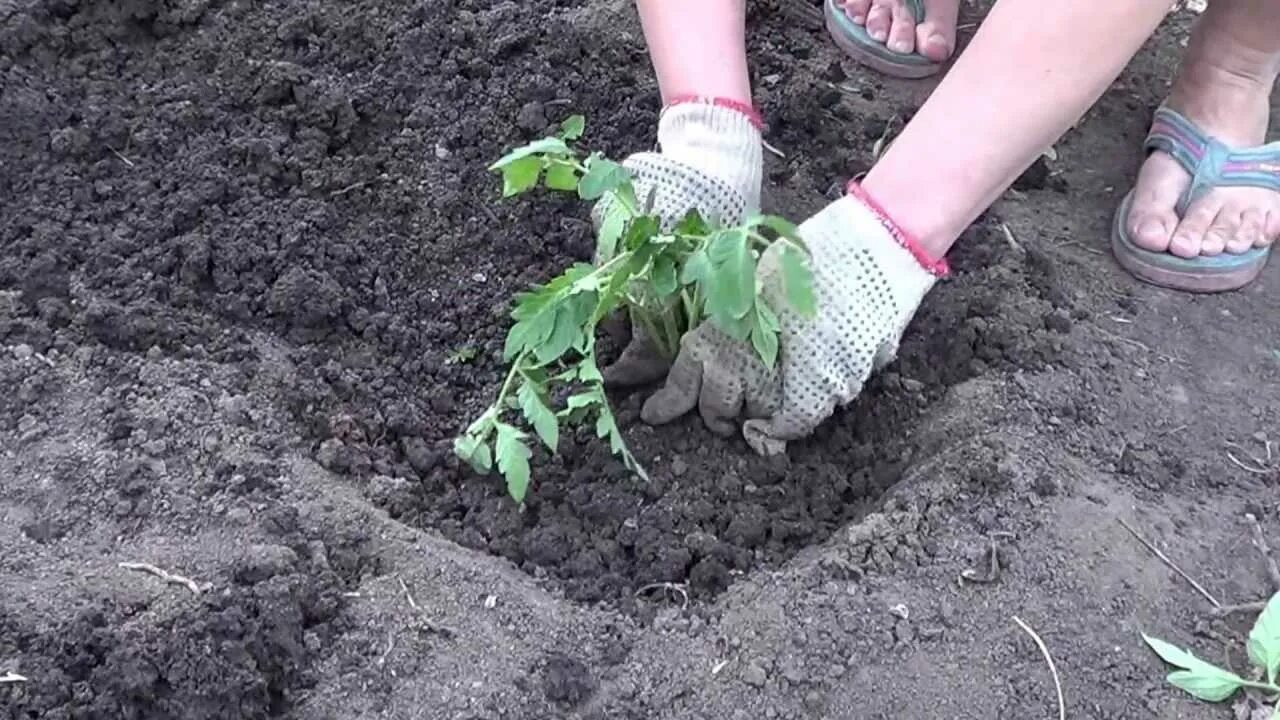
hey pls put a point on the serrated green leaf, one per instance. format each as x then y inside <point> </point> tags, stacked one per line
<point>520,176</point>
<point>1264,639</point>
<point>696,268</point>
<point>780,225</point>
<point>539,416</point>
<point>1213,687</point>
<point>664,276</point>
<point>546,146</point>
<point>589,372</point>
<point>581,400</point>
<point>640,231</point>
<point>573,127</point>
<point>475,452</point>
<point>737,328</point>
<point>612,226</point>
<point>529,334</point>
<point>692,224</point>
<point>797,282</point>
<point>732,281</point>
<point>765,344</point>
<point>513,460</point>
<point>561,176</point>
<point>1202,679</point>
<point>603,175</point>
<point>564,333</point>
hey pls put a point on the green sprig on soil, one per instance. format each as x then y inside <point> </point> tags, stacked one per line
<point>1207,681</point>
<point>667,279</point>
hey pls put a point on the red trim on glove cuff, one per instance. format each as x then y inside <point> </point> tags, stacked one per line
<point>911,243</point>
<point>744,108</point>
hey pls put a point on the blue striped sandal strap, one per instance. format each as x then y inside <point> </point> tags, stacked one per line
<point>1209,161</point>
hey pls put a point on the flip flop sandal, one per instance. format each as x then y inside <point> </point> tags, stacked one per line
<point>854,39</point>
<point>1211,164</point>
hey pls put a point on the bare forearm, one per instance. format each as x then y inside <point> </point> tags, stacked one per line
<point>698,48</point>
<point>1031,71</point>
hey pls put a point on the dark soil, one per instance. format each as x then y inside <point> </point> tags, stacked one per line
<point>238,240</point>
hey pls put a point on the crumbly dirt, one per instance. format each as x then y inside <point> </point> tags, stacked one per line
<point>242,241</point>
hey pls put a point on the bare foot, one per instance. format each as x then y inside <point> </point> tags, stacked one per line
<point>892,23</point>
<point>1224,87</point>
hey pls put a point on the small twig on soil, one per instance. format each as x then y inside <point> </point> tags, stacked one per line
<point>163,575</point>
<point>11,677</point>
<point>1172,565</point>
<point>408,595</point>
<point>1249,607</point>
<point>1260,542</point>
<point>1008,236</point>
<point>123,159</point>
<point>671,588</point>
<point>349,188</point>
<point>1258,467</point>
<point>1053,669</point>
<point>773,149</point>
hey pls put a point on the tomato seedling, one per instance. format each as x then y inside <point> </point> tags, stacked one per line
<point>668,277</point>
<point>1207,681</point>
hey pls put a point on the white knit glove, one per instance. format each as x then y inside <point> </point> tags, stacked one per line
<point>868,286</point>
<point>710,160</point>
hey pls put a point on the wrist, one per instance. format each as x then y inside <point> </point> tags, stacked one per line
<point>926,257</point>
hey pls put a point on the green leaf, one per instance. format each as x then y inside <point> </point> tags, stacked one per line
<point>611,228</point>
<point>764,335</point>
<point>1203,680</point>
<point>1264,639</point>
<point>563,334</point>
<point>732,283</point>
<point>1213,687</point>
<point>780,225</point>
<point>520,176</point>
<point>797,281</point>
<point>539,416</point>
<point>573,127</point>
<point>562,176</point>
<point>589,372</point>
<point>737,328</point>
<point>545,146</point>
<point>513,460</point>
<point>474,451</point>
<point>603,175</point>
<point>642,229</point>
<point>692,224</point>
<point>697,267</point>
<point>664,276</point>
<point>529,333</point>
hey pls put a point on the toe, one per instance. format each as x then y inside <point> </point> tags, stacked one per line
<point>1189,238</point>
<point>936,36</point>
<point>1270,229</point>
<point>902,31</point>
<point>857,10</point>
<point>1248,233</point>
<point>1152,219</point>
<point>879,20</point>
<point>1224,228</point>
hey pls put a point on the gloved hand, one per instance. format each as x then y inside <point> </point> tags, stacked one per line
<point>869,278</point>
<point>709,160</point>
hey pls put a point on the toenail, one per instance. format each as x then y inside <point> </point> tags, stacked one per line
<point>899,45</point>
<point>1152,228</point>
<point>878,35</point>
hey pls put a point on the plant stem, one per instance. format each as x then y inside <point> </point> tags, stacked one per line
<point>506,384</point>
<point>672,330</point>
<point>653,332</point>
